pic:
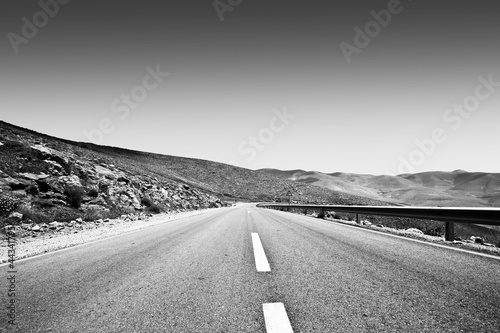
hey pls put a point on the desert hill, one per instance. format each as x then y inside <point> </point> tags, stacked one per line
<point>457,188</point>
<point>48,178</point>
<point>45,179</point>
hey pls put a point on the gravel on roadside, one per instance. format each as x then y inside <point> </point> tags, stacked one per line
<point>417,234</point>
<point>44,242</point>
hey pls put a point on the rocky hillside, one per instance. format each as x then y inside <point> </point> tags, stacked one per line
<point>49,179</point>
<point>233,183</point>
<point>44,180</point>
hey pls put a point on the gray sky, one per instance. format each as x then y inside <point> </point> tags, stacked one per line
<point>90,64</point>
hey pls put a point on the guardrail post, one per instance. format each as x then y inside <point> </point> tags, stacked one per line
<point>449,233</point>
<point>305,211</point>
<point>358,221</point>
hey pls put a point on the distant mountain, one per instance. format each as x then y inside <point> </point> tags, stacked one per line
<point>44,179</point>
<point>457,188</point>
<point>55,178</point>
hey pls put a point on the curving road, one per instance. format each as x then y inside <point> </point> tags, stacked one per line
<point>199,274</point>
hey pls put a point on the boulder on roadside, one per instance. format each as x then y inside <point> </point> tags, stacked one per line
<point>415,231</point>
<point>55,225</point>
<point>477,240</point>
<point>16,216</point>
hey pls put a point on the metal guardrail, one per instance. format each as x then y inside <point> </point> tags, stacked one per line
<point>449,215</point>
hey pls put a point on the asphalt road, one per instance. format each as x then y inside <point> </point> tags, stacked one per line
<point>199,274</point>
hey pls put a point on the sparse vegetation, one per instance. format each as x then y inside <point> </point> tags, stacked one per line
<point>94,214</point>
<point>335,215</point>
<point>434,231</point>
<point>15,145</point>
<point>17,155</point>
<point>74,195</point>
<point>64,214</point>
<point>146,202</point>
<point>48,179</point>
<point>154,209</point>
<point>35,215</point>
<point>93,193</point>
<point>7,204</point>
<point>43,203</point>
<point>32,190</point>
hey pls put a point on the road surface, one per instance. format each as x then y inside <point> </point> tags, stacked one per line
<point>200,274</point>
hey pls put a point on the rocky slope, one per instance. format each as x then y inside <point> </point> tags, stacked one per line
<point>231,182</point>
<point>43,180</point>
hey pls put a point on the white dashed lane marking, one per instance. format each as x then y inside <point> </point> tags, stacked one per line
<point>276,318</point>
<point>261,262</point>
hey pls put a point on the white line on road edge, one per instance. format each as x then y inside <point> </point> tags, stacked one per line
<point>261,262</point>
<point>443,246</point>
<point>386,233</point>
<point>276,318</point>
<point>145,227</point>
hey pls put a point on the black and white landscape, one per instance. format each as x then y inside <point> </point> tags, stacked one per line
<point>138,138</point>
